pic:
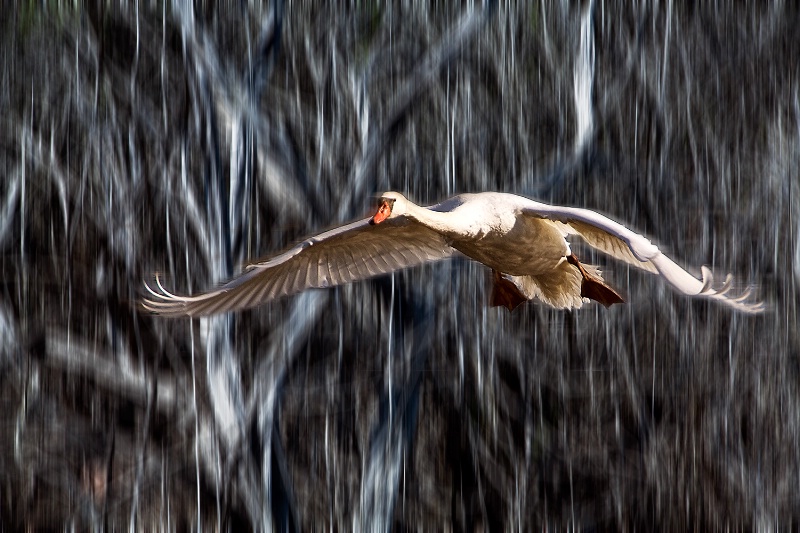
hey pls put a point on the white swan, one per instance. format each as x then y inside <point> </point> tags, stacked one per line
<point>521,240</point>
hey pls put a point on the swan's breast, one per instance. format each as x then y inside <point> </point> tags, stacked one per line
<point>516,245</point>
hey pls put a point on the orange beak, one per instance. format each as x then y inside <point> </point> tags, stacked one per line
<point>383,213</point>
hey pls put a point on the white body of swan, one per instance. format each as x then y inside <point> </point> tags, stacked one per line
<point>521,240</point>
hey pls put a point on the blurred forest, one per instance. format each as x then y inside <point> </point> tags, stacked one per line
<point>190,139</point>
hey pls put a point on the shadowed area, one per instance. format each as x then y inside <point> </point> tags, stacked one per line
<point>188,141</point>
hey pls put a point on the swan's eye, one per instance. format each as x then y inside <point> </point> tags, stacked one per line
<point>386,206</point>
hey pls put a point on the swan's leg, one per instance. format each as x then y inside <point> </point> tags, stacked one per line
<point>595,288</point>
<point>505,292</point>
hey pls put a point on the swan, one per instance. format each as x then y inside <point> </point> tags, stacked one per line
<point>521,240</point>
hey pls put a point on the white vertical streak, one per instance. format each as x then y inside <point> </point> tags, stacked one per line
<point>584,76</point>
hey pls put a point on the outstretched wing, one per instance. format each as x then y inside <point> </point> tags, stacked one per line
<point>621,243</point>
<point>342,255</point>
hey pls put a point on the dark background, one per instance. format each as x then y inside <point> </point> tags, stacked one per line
<point>189,140</point>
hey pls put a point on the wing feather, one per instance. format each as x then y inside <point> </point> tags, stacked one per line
<point>609,244</point>
<point>342,255</point>
<point>621,243</point>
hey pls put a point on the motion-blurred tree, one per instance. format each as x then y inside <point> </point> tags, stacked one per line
<point>191,139</point>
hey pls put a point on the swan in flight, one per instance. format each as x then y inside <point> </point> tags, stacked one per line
<point>521,240</point>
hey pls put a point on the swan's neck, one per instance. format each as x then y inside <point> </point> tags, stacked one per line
<point>449,223</point>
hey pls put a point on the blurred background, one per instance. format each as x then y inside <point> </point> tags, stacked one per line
<point>190,139</point>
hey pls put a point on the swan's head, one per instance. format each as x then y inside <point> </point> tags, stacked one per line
<point>390,205</point>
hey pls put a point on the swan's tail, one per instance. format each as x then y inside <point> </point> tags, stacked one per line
<point>565,287</point>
